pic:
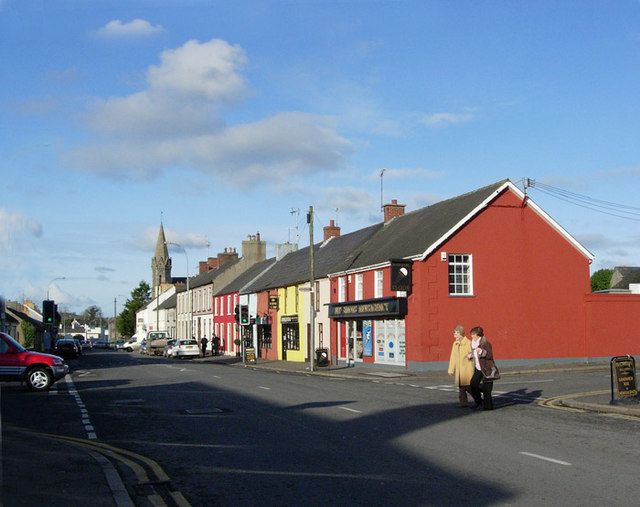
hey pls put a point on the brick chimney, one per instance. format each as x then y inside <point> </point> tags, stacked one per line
<point>393,210</point>
<point>331,230</point>
<point>202,267</point>
<point>229,254</point>
<point>254,249</point>
<point>212,263</point>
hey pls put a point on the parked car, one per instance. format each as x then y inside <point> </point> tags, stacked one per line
<point>185,348</point>
<point>168,348</point>
<point>38,370</point>
<point>79,345</point>
<point>133,343</point>
<point>101,343</point>
<point>119,344</point>
<point>67,347</point>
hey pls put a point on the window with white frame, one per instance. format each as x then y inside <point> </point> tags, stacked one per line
<point>378,286</point>
<point>215,307</point>
<point>229,305</point>
<point>359,286</point>
<point>460,275</point>
<point>342,289</point>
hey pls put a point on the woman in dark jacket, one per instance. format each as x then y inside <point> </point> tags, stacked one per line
<point>482,355</point>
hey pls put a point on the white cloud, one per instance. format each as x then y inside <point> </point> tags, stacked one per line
<point>14,225</point>
<point>187,240</point>
<point>136,28</point>
<point>445,119</point>
<point>351,201</point>
<point>175,123</point>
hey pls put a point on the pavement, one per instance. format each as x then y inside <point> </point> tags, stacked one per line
<point>63,467</point>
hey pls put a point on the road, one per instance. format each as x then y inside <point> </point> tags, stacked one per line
<point>226,435</point>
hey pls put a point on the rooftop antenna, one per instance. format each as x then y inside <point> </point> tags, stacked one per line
<point>381,175</point>
<point>337,212</point>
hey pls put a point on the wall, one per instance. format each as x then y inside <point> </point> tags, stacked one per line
<point>612,322</point>
<point>529,289</point>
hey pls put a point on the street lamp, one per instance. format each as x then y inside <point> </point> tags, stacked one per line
<point>189,332</point>
<point>49,284</point>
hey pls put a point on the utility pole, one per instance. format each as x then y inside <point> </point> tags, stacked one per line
<point>312,310</point>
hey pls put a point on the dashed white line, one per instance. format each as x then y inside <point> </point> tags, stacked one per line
<point>545,458</point>
<point>351,410</point>
<point>265,388</point>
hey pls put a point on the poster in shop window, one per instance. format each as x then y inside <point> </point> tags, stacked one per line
<point>367,338</point>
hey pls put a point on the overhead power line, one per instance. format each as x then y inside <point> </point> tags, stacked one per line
<point>584,201</point>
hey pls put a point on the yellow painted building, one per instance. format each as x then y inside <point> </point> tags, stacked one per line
<point>292,332</point>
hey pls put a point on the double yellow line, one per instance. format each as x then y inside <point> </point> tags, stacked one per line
<point>152,475</point>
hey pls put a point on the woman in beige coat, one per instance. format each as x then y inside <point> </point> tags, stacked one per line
<point>460,366</point>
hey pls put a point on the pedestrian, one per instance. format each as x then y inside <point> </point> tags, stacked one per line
<point>482,356</point>
<point>215,345</point>
<point>203,343</point>
<point>460,364</point>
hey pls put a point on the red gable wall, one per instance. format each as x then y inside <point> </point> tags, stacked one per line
<point>529,287</point>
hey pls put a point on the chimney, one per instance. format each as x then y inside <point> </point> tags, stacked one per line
<point>393,210</point>
<point>202,267</point>
<point>331,230</point>
<point>283,249</point>
<point>212,263</point>
<point>254,249</point>
<point>229,254</point>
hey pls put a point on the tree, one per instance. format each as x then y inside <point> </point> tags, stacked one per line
<point>601,279</point>
<point>126,321</point>
<point>29,333</point>
<point>92,315</point>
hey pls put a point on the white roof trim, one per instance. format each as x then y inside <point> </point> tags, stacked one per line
<point>486,202</point>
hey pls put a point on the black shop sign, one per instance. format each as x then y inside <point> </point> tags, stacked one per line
<point>623,379</point>
<point>383,308</point>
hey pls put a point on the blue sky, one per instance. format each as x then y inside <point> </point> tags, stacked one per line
<point>226,116</point>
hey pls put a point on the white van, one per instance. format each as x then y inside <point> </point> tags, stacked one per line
<point>133,343</point>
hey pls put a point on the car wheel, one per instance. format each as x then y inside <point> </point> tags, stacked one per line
<point>39,379</point>
<point>129,349</point>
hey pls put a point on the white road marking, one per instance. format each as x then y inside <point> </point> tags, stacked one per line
<point>88,427</point>
<point>265,388</point>
<point>351,410</point>
<point>216,376</point>
<point>544,458</point>
<point>92,436</point>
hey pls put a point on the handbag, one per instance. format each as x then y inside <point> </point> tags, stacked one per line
<point>491,374</point>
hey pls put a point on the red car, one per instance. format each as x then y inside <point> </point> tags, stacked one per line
<point>38,370</point>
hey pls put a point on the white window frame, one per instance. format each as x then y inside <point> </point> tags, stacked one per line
<point>460,274</point>
<point>342,289</point>
<point>379,284</point>
<point>359,287</point>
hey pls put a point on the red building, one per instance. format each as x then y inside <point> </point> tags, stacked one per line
<point>490,258</point>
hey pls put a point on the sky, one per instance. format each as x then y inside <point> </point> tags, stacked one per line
<point>224,119</point>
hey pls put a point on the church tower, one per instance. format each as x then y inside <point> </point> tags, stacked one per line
<point>160,265</point>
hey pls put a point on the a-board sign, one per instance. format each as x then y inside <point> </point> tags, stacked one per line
<point>623,378</point>
<point>250,354</point>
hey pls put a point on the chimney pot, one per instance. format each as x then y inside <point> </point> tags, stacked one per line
<point>393,210</point>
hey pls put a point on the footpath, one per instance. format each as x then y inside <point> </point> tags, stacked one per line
<point>593,401</point>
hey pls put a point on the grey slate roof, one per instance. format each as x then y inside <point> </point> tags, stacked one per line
<point>170,302</point>
<point>413,233</point>
<point>207,277</point>
<point>247,277</point>
<point>293,268</point>
<point>624,275</point>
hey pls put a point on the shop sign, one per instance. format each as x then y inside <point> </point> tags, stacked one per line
<point>623,378</point>
<point>289,319</point>
<point>273,302</point>
<point>383,307</point>
<point>400,279</point>
<point>250,355</point>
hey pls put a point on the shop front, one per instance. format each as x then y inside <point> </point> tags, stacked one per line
<point>290,337</point>
<point>371,331</point>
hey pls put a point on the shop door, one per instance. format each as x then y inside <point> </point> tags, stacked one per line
<point>390,341</point>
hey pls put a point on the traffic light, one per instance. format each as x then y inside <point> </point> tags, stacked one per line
<point>236,313</point>
<point>244,315</point>
<point>48,312</point>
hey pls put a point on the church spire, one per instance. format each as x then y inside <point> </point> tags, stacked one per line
<point>160,264</point>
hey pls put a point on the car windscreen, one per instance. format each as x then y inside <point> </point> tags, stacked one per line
<point>188,342</point>
<point>14,343</point>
